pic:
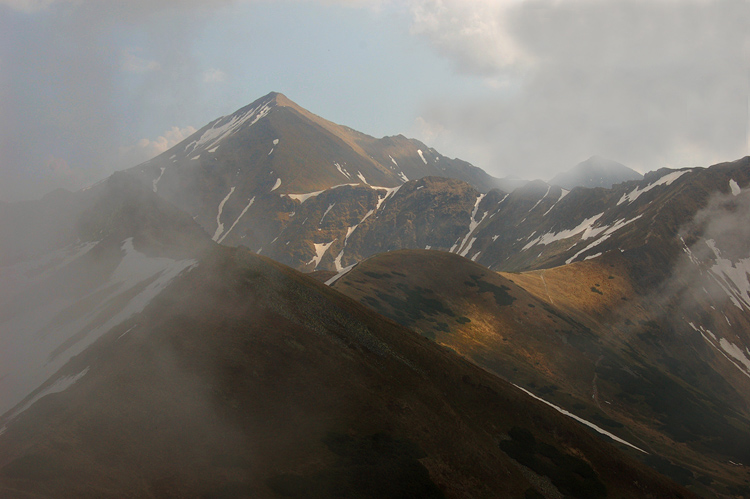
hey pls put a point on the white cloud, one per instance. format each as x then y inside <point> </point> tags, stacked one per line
<point>214,75</point>
<point>473,33</point>
<point>134,64</point>
<point>145,149</point>
<point>650,83</point>
<point>27,6</point>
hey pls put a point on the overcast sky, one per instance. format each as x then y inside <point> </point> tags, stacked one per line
<point>518,87</point>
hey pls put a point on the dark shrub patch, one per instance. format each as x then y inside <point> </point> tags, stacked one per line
<point>571,475</point>
<point>368,467</point>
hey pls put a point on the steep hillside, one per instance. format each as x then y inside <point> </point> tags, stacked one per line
<point>536,226</point>
<point>247,379</point>
<point>111,249</point>
<point>235,175</point>
<point>586,337</point>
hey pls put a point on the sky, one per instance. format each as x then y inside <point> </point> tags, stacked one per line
<point>522,88</point>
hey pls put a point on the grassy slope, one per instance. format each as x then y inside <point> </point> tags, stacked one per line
<point>247,379</point>
<point>553,334</point>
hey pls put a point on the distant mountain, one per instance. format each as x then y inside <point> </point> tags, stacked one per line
<point>595,172</point>
<point>244,378</point>
<point>238,176</point>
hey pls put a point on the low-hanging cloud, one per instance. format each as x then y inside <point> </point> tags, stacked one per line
<point>651,84</point>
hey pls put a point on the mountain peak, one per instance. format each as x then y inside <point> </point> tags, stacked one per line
<point>596,171</point>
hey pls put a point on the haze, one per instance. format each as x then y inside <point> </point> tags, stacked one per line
<point>519,88</point>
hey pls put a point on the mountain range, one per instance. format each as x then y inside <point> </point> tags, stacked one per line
<point>475,338</point>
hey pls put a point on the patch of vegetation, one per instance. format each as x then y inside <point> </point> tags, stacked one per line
<point>679,474</point>
<point>367,467</point>
<point>572,476</point>
<point>531,305</point>
<point>463,320</point>
<point>442,326</point>
<point>594,290</point>
<point>416,305</point>
<point>470,284</point>
<point>546,390</point>
<point>685,415</point>
<point>532,494</point>
<point>605,421</point>
<point>502,298</point>
<point>376,275</point>
<point>611,277</point>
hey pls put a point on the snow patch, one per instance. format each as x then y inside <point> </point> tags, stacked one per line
<point>219,225</point>
<point>419,151</point>
<point>237,220</point>
<point>224,127</point>
<point>551,237</point>
<point>343,171</point>
<point>275,142</point>
<point>733,278</point>
<point>582,421</point>
<point>60,385</point>
<point>390,191</point>
<point>304,197</point>
<point>541,199</point>
<point>330,206</point>
<point>562,195</point>
<point>468,247</point>
<point>665,180</point>
<point>341,274</point>
<point>276,185</point>
<point>473,224</point>
<point>394,161</point>
<point>320,250</point>
<point>403,177</point>
<point>362,177</point>
<point>735,187</point>
<point>156,180</point>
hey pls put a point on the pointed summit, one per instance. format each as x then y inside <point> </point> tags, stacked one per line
<point>595,172</point>
<point>240,176</point>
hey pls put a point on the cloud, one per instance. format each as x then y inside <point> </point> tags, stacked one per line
<point>650,84</point>
<point>135,64</point>
<point>472,33</point>
<point>27,6</point>
<point>145,149</point>
<point>214,75</point>
<point>57,166</point>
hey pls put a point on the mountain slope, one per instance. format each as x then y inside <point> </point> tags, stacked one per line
<point>586,337</point>
<point>595,172</point>
<point>110,250</point>
<point>247,379</point>
<point>232,174</point>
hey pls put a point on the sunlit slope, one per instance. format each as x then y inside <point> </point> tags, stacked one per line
<point>581,336</point>
<point>241,175</point>
<point>247,379</point>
